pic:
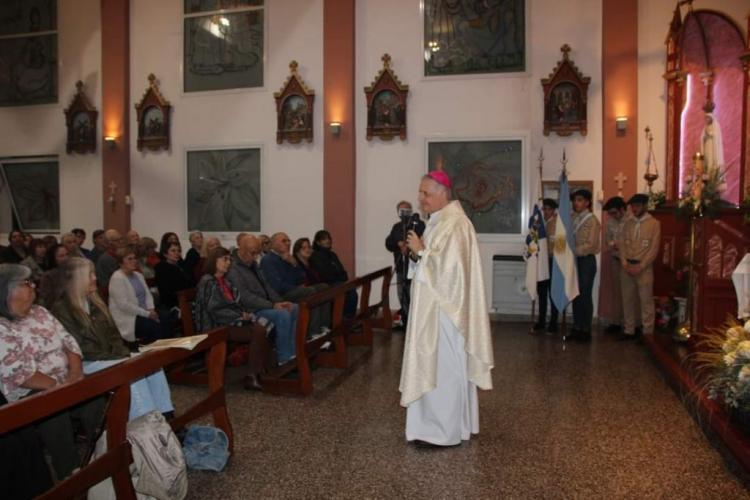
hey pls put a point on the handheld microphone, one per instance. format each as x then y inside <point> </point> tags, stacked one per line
<point>412,226</point>
<point>414,222</point>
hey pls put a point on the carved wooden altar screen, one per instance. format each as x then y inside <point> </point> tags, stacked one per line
<point>707,71</point>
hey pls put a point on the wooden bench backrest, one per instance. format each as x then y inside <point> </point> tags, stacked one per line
<point>117,379</point>
<point>185,299</point>
<point>279,382</point>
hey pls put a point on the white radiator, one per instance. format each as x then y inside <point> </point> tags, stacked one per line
<point>509,295</point>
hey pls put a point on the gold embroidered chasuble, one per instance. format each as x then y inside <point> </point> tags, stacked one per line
<point>448,279</point>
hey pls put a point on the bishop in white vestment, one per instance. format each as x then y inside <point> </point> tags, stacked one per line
<point>448,347</point>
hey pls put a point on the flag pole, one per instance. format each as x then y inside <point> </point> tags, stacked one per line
<point>539,198</point>
<point>541,163</point>
<point>564,322</point>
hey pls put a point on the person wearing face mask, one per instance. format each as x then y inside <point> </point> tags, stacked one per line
<point>396,244</point>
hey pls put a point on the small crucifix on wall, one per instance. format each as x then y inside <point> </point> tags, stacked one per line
<point>112,190</point>
<point>620,180</point>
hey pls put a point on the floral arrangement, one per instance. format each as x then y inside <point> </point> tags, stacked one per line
<point>704,194</point>
<point>656,199</point>
<point>725,352</point>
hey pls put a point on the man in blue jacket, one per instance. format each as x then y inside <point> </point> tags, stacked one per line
<point>282,273</point>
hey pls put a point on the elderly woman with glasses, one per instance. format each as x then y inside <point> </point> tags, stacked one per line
<point>131,302</point>
<point>85,315</point>
<point>36,354</point>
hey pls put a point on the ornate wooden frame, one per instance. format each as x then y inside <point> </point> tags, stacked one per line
<point>569,117</point>
<point>293,87</point>
<point>386,81</point>
<point>80,140</point>
<point>153,135</point>
<point>676,78</point>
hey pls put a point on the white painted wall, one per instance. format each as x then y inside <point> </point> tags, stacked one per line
<point>40,130</point>
<point>467,107</point>
<point>654,17</point>
<point>291,175</point>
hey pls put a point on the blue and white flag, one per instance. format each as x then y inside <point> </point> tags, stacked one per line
<point>535,253</point>
<point>564,270</point>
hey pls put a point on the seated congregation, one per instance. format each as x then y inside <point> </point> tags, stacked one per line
<point>67,312</point>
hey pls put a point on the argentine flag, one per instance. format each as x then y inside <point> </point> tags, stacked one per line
<point>564,271</point>
<point>537,265</point>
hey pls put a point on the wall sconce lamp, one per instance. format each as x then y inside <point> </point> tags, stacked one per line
<point>110,141</point>
<point>621,124</point>
<point>335,128</point>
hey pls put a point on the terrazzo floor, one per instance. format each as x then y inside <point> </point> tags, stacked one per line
<point>564,421</point>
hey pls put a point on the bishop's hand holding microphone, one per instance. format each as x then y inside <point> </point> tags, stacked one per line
<point>413,239</point>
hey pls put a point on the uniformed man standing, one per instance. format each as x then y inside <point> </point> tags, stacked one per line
<point>586,230</point>
<point>639,244</point>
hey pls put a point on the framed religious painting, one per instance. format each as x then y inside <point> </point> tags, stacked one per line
<point>34,188</point>
<point>223,44</point>
<point>28,52</point>
<point>565,98</point>
<point>470,38</point>
<point>489,180</point>
<point>80,121</point>
<point>223,189</point>
<point>294,109</point>
<point>386,104</point>
<point>551,189</point>
<point>153,115</point>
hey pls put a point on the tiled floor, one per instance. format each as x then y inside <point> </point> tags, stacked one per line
<point>564,421</point>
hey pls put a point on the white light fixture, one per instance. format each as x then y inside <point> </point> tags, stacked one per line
<point>110,141</point>
<point>621,123</point>
<point>335,128</point>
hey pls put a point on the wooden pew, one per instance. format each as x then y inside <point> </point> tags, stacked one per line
<point>117,379</point>
<point>179,373</point>
<point>367,313</point>
<point>283,379</point>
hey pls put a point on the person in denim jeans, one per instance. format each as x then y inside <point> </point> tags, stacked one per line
<point>257,296</point>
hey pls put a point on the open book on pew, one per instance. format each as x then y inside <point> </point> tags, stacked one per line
<point>187,343</point>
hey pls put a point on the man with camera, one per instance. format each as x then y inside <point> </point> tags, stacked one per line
<point>396,244</point>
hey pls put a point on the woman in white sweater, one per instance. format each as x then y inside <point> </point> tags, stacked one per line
<point>131,303</point>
